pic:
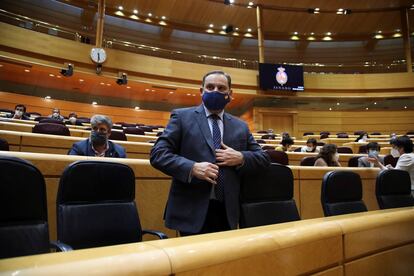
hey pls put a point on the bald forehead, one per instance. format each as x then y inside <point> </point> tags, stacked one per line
<point>216,79</point>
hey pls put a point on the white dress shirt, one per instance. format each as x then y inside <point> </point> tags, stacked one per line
<point>406,163</point>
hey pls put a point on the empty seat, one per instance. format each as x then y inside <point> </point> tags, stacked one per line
<point>268,148</point>
<point>134,130</point>
<point>279,157</point>
<point>393,189</point>
<point>37,119</point>
<point>267,197</point>
<point>410,132</point>
<point>84,120</point>
<point>307,133</point>
<point>308,161</point>
<point>52,121</point>
<point>324,136</point>
<point>353,161</point>
<point>127,125</point>
<point>262,131</point>
<point>23,217</point>
<point>320,144</point>
<point>117,127</point>
<point>325,132</point>
<point>342,135</point>
<point>261,141</point>
<point>390,160</point>
<point>376,133</point>
<point>359,132</point>
<point>96,205</point>
<point>50,128</point>
<point>269,136</point>
<point>4,145</point>
<point>6,110</point>
<point>298,149</point>
<point>344,150</point>
<point>341,193</point>
<point>117,135</point>
<point>146,129</point>
<point>363,149</point>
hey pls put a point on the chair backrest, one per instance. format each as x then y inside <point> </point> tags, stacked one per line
<point>320,144</point>
<point>363,149</point>
<point>353,161</point>
<point>411,132</point>
<point>117,135</point>
<point>390,160</point>
<point>268,148</point>
<point>342,193</point>
<point>146,128</point>
<point>342,135</point>
<point>37,119</point>
<point>95,205</point>
<point>376,133</point>
<point>308,161</point>
<point>324,136</point>
<point>23,215</point>
<point>261,141</point>
<point>307,133</point>
<point>52,121</point>
<point>49,128</point>
<point>84,120</point>
<point>269,136</point>
<point>4,145</point>
<point>325,132</point>
<point>393,189</point>
<point>128,125</point>
<point>262,131</point>
<point>344,150</point>
<point>298,149</point>
<point>134,130</point>
<point>267,197</point>
<point>279,157</point>
<point>359,132</point>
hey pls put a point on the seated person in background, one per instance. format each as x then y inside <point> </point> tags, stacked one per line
<point>97,144</point>
<point>373,151</point>
<point>402,147</point>
<point>73,120</point>
<point>362,138</point>
<point>285,135</point>
<point>328,157</point>
<point>56,115</point>
<point>393,135</point>
<point>311,146</point>
<point>286,143</point>
<point>19,113</point>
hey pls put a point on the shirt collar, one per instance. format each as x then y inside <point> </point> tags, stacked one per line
<point>208,113</point>
<point>102,154</point>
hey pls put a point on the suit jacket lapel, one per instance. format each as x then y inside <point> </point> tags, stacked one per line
<point>203,124</point>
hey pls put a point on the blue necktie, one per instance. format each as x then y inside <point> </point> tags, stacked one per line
<point>219,188</point>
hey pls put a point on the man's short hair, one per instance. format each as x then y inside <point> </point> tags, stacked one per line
<point>101,119</point>
<point>73,114</point>
<point>373,146</point>
<point>287,141</point>
<point>405,143</point>
<point>219,72</point>
<point>311,141</point>
<point>20,105</point>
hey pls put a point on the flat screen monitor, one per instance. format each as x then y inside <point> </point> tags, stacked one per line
<point>281,77</point>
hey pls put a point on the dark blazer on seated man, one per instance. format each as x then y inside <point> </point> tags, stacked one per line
<point>206,161</point>
<point>98,144</point>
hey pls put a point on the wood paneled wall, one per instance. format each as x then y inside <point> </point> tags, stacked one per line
<point>333,121</point>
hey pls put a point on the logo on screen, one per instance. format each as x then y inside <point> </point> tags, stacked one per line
<point>281,76</point>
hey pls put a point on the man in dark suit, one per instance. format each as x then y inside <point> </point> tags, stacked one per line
<point>206,151</point>
<point>98,144</point>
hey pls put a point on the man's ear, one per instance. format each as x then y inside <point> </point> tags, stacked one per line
<point>231,94</point>
<point>201,90</point>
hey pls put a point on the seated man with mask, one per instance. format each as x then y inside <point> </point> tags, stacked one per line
<point>56,115</point>
<point>73,120</point>
<point>97,144</point>
<point>311,146</point>
<point>19,113</point>
<point>373,152</point>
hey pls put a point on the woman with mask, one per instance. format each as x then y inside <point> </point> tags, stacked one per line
<point>402,147</point>
<point>362,138</point>
<point>311,146</point>
<point>98,144</point>
<point>328,157</point>
<point>373,151</point>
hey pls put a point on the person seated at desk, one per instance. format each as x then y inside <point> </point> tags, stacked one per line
<point>56,115</point>
<point>362,138</point>
<point>373,150</point>
<point>19,113</point>
<point>311,146</point>
<point>402,147</point>
<point>73,120</point>
<point>287,142</point>
<point>98,144</point>
<point>328,157</point>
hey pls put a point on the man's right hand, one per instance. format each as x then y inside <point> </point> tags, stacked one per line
<point>205,171</point>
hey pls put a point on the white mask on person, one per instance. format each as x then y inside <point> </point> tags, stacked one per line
<point>336,157</point>
<point>395,153</point>
<point>309,149</point>
<point>18,113</point>
<point>72,120</point>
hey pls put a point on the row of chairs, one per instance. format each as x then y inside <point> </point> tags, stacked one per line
<point>95,207</point>
<point>267,197</point>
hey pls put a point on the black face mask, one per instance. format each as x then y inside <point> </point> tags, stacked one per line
<point>98,138</point>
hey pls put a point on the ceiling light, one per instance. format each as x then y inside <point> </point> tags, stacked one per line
<point>338,104</point>
<point>295,33</point>
<point>248,35</point>
<point>249,30</point>
<point>250,5</point>
<point>312,33</point>
<point>152,90</point>
<point>314,11</point>
<point>147,90</point>
<point>1,65</point>
<point>94,103</point>
<point>327,38</point>
<point>102,83</point>
<point>397,35</point>
<point>330,108</point>
<point>120,8</point>
<point>136,108</point>
<point>405,107</point>
<point>211,26</point>
<point>328,33</point>
<point>81,80</point>
<point>51,75</point>
<point>108,84</point>
<point>375,103</point>
<point>222,32</point>
<point>128,87</point>
<point>135,11</point>
<point>228,2</point>
<point>58,76</point>
<point>188,94</point>
<point>294,37</point>
<point>311,38</point>
<point>340,11</point>
<point>149,14</point>
<point>366,108</point>
<point>27,70</point>
<point>134,17</point>
<point>210,31</point>
<point>163,17</point>
<point>162,23</point>
<point>119,13</point>
<point>171,92</point>
<point>379,36</point>
<point>48,97</point>
<point>224,27</point>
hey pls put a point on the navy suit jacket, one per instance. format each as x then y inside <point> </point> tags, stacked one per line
<point>187,139</point>
<point>85,148</point>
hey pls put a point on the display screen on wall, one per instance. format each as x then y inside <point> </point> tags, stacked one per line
<point>281,77</point>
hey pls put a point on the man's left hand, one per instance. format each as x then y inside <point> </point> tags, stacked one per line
<point>228,156</point>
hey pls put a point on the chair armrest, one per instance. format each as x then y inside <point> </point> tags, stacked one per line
<point>60,246</point>
<point>159,234</point>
